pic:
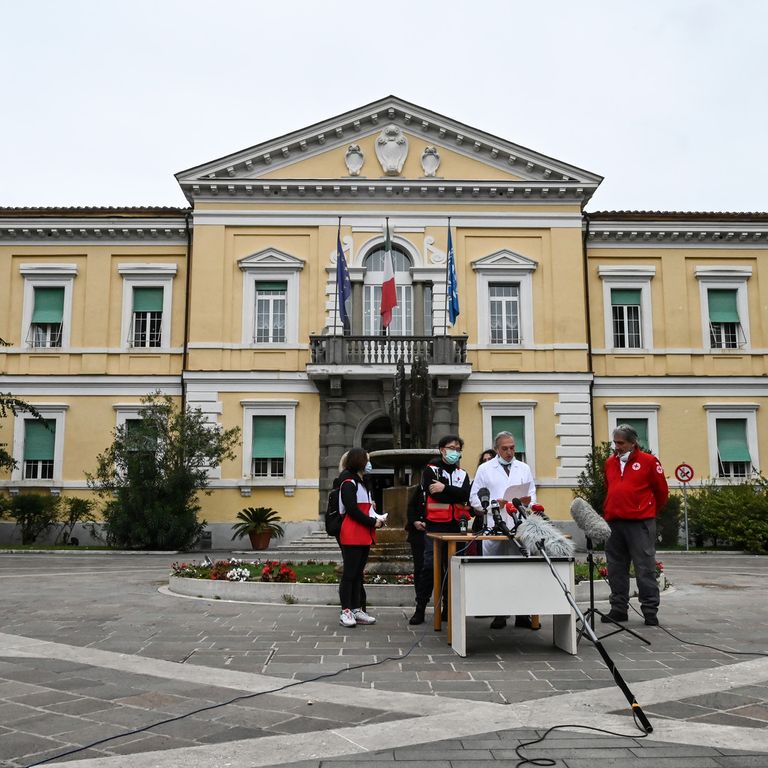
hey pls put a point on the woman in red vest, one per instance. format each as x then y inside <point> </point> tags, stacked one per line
<point>358,532</point>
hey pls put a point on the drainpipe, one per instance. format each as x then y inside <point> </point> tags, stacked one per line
<point>188,282</point>
<point>588,323</point>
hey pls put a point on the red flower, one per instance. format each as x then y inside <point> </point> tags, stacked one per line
<point>603,572</point>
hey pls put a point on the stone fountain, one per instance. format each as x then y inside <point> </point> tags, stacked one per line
<point>410,411</point>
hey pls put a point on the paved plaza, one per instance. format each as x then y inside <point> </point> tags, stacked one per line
<point>94,653</point>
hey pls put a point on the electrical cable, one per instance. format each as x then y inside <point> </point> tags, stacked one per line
<point>246,696</point>
<point>549,760</point>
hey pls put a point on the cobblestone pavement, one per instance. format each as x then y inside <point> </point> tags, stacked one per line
<point>91,650</point>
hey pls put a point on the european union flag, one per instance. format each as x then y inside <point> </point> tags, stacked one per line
<point>343,285</point>
<point>452,295</point>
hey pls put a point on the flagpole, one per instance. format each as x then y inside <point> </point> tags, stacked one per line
<point>447,281</point>
<point>389,241</point>
<point>336,292</point>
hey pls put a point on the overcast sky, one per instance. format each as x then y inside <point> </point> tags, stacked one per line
<point>103,101</point>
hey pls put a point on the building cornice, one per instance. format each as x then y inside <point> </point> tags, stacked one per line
<point>390,190</point>
<point>76,230</point>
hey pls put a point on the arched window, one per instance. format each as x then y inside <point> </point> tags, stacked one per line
<point>402,316</point>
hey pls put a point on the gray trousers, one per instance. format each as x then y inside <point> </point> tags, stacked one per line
<point>633,541</point>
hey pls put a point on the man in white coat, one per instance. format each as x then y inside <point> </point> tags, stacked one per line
<point>497,475</point>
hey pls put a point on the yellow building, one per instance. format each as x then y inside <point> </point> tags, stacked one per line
<point>569,322</point>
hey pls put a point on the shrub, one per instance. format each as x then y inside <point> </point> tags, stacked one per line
<point>735,514</point>
<point>668,522</point>
<point>75,511</point>
<point>34,513</point>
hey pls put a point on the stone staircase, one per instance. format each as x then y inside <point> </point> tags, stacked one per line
<point>316,545</point>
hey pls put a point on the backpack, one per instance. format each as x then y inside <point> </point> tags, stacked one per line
<point>333,516</point>
<point>333,513</point>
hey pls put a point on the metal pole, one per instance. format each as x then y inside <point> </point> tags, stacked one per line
<point>685,512</point>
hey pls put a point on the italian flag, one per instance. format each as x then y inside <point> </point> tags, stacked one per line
<point>388,291</point>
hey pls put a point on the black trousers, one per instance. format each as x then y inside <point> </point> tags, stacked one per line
<point>416,540</point>
<point>363,596</point>
<point>351,590</point>
<point>633,541</point>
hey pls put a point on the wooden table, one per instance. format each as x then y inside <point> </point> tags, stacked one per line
<point>512,584</point>
<point>453,540</point>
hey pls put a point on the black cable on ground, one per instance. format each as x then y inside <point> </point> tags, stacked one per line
<point>549,760</point>
<point>246,696</point>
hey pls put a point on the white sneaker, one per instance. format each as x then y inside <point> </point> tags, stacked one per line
<point>361,617</point>
<point>346,619</point>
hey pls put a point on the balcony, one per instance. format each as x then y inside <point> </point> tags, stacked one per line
<point>374,355</point>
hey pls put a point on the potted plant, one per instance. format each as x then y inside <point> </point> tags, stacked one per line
<point>260,524</point>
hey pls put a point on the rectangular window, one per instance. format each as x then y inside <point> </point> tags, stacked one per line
<point>47,317</point>
<point>402,314</point>
<point>428,320</point>
<point>504,300</point>
<point>147,320</point>
<point>39,442</point>
<point>625,312</point>
<point>725,330</point>
<point>733,457</point>
<point>515,425</point>
<point>268,449</point>
<point>270,312</point>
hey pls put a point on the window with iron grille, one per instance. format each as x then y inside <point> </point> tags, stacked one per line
<point>725,331</point>
<point>147,318</point>
<point>47,318</point>
<point>733,456</point>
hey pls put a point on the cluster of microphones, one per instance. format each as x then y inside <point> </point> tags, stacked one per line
<point>533,531</point>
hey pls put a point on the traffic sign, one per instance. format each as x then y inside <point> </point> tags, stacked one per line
<point>684,473</point>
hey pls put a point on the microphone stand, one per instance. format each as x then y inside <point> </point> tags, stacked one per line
<point>587,629</point>
<point>589,615</point>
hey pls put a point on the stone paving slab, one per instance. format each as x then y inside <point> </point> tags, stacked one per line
<point>714,699</point>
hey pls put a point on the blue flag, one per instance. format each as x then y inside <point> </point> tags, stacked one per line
<point>343,285</point>
<point>452,294</point>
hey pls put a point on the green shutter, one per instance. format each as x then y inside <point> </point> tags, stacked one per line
<point>49,305</point>
<point>622,296</point>
<point>513,424</point>
<point>268,437</point>
<point>641,427</point>
<point>722,306</point>
<point>147,299</point>
<point>271,287</point>
<point>732,440</point>
<point>39,439</point>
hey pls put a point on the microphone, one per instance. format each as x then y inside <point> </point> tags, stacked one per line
<point>518,505</point>
<point>484,497</point>
<point>536,533</point>
<point>589,521</point>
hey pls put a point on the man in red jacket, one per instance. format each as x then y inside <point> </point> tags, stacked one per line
<point>636,491</point>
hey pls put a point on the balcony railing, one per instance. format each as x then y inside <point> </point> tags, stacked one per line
<point>387,350</point>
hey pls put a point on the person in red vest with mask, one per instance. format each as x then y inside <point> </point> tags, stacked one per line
<point>636,491</point>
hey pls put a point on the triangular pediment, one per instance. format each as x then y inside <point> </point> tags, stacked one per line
<point>271,260</point>
<point>505,260</point>
<point>345,150</point>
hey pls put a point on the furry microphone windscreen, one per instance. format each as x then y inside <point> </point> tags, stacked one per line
<point>589,521</point>
<point>536,531</point>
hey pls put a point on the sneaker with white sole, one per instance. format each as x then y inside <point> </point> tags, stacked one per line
<point>347,619</point>
<point>361,617</point>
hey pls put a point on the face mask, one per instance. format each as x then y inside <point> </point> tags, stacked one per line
<point>452,457</point>
<point>504,462</point>
<point>624,456</point>
<point>368,467</point>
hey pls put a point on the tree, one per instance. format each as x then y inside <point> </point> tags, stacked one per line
<point>13,406</point>
<point>591,482</point>
<point>153,471</point>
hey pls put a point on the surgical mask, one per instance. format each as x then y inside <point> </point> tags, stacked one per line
<point>368,467</point>
<point>504,462</point>
<point>624,456</point>
<point>452,457</point>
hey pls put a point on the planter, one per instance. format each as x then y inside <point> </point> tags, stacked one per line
<point>260,539</point>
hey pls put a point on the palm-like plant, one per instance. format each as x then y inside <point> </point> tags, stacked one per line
<point>257,520</point>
